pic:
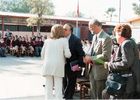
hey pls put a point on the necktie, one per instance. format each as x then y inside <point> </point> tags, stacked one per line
<point>93,45</point>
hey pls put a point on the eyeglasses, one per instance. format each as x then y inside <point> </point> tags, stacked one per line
<point>65,29</point>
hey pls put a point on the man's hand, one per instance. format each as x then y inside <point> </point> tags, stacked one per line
<point>78,69</point>
<point>87,59</point>
<point>2,48</point>
<point>105,65</point>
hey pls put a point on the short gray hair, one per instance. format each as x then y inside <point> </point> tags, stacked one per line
<point>95,22</point>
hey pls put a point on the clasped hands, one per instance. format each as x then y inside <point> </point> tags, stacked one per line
<point>87,59</point>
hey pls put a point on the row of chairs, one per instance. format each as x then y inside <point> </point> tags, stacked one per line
<point>27,52</point>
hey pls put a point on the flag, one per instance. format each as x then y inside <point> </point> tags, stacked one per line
<point>77,8</point>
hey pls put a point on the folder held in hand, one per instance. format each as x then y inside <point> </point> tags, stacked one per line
<point>99,61</point>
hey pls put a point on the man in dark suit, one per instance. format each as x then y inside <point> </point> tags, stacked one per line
<point>75,45</point>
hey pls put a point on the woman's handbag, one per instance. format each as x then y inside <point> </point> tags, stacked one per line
<point>116,84</point>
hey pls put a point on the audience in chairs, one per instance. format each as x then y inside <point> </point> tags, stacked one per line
<point>15,45</point>
<point>37,45</point>
<point>30,46</point>
<point>2,47</point>
<point>23,45</point>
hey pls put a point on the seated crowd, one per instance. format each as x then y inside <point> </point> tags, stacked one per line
<point>20,45</point>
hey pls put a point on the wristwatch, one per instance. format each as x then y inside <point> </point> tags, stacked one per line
<point>79,67</point>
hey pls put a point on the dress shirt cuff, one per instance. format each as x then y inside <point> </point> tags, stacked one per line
<point>93,57</point>
<point>108,66</point>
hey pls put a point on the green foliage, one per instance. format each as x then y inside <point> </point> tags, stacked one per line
<point>109,13</point>
<point>39,7</point>
<point>74,14</point>
<point>136,8</point>
<point>14,6</point>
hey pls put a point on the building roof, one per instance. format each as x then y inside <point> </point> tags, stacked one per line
<point>133,19</point>
<point>26,15</point>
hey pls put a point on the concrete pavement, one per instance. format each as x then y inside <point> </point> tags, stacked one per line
<point>20,78</point>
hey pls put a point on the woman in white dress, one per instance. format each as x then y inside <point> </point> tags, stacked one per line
<point>54,52</point>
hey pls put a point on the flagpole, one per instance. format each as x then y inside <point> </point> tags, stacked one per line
<point>77,27</point>
<point>77,18</point>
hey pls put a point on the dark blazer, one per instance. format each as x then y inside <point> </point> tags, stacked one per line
<point>126,61</point>
<point>23,43</point>
<point>15,43</point>
<point>2,45</point>
<point>30,43</point>
<point>77,53</point>
<point>37,43</point>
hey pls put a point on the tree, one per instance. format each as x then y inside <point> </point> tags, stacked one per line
<point>109,13</point>
<point>15,6</point>
<point>39,7</point>
<point>136,8</point>
<point>74,14</point>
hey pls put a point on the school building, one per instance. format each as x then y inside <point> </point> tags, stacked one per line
<point>16,23</point>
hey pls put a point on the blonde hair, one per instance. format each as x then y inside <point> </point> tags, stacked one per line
<point>56,31</point>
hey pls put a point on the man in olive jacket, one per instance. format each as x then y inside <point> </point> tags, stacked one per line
<point>101,49</point>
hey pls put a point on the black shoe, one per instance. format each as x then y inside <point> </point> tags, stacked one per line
<point>17,55</point>
<point>22,55</point>
<point>4,56</point>
<point>31,55</point>
<point>37,56</point>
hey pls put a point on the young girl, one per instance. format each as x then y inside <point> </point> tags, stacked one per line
<point>23,46</point>
<point>30,46</point>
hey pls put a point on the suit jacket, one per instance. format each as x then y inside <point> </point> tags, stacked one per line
<point>101,50</point>
<point>77,52</point>
<point>2,45</point>
<point>126,61</point>
<point>53,54</point>
<point>15,43</point>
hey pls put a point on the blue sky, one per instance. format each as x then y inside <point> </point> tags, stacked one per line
<point>96,8</point>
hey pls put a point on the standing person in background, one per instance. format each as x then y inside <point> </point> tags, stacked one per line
<point>101,49</point>
<point>89,48</point>
<point>125,62</point>
<point>8,32</point>
<point>53,53</point>
<point>75,46</point>
<point>115,47</point>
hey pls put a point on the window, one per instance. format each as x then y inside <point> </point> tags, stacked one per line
<point>13,20</point>
<point>5,19</point>
<point>22,20</point>
<point>10,27</point>
<point>0,19</point>
<point>25,28</point>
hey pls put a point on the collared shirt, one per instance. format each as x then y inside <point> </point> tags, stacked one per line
<point>99,34</point>
<point>68,37</point>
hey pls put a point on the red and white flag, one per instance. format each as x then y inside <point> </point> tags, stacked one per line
<point>77,8</point>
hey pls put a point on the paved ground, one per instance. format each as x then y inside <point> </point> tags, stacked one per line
<point>20,78</point>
